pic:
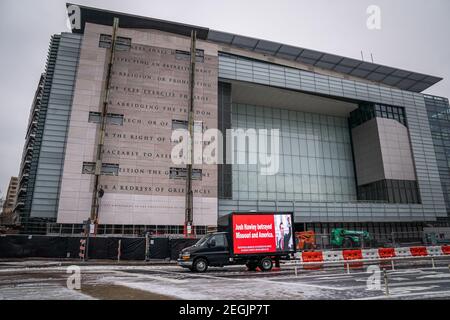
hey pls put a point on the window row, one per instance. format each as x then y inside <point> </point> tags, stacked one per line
<point>108,169</point>
<point>111,118</point>
<point>183,124</point>
<point>303,165</point>
<point>186,55</point>
<point>286,196</point>
<point>122,44</point>
<point>298,184</point>
<point>391,191</point>
<point>294,147</point>
<point>368,111</point>
<point>313,133</point>
<point>181,173</point>
<point>239,110</point>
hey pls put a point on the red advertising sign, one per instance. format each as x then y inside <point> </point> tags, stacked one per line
<point>262,233</point>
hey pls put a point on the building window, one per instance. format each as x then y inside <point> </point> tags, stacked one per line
<point>179,124</point>
<point>88,168</point>
<point>368,111</point>
<point>122,44</point>
<point>186,55</point>
<point>105,41</point>
<point>390,191</point>
<point>183,124</point>
<point>115,119</point>
<point>111,118</point>
<point>108,169</point>
<point>95,117</point>
<point>181,173</point>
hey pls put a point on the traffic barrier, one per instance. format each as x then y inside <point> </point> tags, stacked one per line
<point>434,251</point>
<point>82,248</point>
<point>402,252</point>
<point>370,254</point>
<point>315,256</point>
<point>330,256</point>
<point>418,251</point>
<point>353,255</point>
<point>445,249</point>
<point>386,253</point>
<point>356,258</point>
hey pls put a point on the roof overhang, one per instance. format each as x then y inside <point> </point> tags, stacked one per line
<point>106,17</point>
<point>393,77</point>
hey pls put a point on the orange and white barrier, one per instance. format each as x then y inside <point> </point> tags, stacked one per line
<point>319,258</point>
<point>370,254</point>
<point>82,253</point>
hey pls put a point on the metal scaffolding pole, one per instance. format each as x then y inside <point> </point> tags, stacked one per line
<point>98,164</point>
<point>189,214</point>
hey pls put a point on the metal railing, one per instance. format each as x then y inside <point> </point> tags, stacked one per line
<point>388,240</point>
<point>132,231</point>
<point>348,264</point>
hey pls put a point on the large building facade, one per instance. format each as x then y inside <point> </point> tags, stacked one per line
<point>360,145</point>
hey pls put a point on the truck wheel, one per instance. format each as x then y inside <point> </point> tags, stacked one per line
<point>251,266</point>
<point>266,264</point>
<point>200,265</point>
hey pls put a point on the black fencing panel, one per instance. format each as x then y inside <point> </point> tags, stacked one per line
<point>176,245</point>
<point>133,249</point>
<point>159,248</point>
<point>48,247</point>
<point>103,248</point>
<point>13,247</point>
<point>19,246</point>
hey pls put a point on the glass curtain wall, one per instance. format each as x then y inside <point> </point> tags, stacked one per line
<point>316,162</point>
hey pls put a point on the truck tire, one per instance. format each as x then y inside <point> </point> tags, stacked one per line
<point>200,265</point>
<point>251,266</point>
<point>266,264</point>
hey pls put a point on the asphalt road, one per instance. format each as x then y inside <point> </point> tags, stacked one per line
<point>37,280</point>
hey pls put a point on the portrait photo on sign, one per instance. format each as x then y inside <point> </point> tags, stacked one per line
<point>283,232</point>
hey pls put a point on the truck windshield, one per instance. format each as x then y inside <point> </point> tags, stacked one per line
<point>202,240</point>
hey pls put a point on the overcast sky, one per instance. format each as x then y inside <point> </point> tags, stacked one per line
<point>414,35</point>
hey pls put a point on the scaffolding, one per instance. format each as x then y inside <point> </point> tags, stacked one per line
<point>98,193</point>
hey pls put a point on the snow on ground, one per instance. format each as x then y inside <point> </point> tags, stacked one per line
<point>210,288</point>
<point>43,291</point>
<point>47,281</point>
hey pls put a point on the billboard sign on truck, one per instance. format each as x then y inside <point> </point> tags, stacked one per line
<point>255,233</point>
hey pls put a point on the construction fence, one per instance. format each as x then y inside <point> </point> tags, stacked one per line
<point>117,248</point>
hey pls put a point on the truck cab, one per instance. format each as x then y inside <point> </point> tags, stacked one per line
<point>211,250</point>
<point>252,239</point>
